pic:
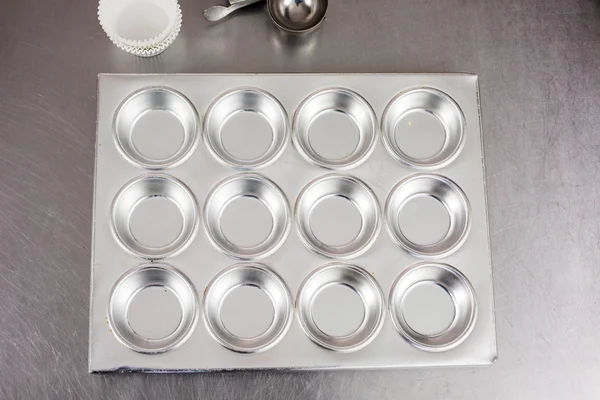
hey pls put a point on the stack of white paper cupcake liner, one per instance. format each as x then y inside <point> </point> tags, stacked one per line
<point>114,13</point>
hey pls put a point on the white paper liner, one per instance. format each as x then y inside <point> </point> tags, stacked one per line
<point>141,27</point>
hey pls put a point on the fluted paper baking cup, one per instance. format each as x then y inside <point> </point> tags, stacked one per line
<point>141,27</point>
<point>153,50</point>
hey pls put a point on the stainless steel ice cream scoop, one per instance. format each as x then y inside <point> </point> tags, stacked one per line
<point>295,16</point>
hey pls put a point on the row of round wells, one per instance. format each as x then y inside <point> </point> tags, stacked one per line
<point>257,187</point>
<point>428,102</point>
<point>371,312</point>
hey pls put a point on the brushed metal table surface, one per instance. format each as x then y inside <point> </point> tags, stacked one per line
<point>539,68</point>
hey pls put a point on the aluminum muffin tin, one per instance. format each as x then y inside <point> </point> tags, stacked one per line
<point>298,221</point>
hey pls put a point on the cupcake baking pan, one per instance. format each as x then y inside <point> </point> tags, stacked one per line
<point>300,221</point>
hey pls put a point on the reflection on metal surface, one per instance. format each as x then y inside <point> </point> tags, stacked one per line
<point>254,275</point>
<point>441,189</point>
<point>435,103</point>
<point>130,285</point>
<point>296,47</point>
<point>248,101</point>
<point>133,194</point>
<point>459,289</point>
<point>137,106</point>
<point>297,16</point>
<point>253,186</point>
<point>350,189</point>
<point>342,101</point>
<point>359,281</point>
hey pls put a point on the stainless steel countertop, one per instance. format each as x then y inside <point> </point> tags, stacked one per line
<point>539,69</point>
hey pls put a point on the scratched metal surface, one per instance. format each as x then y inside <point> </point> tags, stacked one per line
<point>539,67</point>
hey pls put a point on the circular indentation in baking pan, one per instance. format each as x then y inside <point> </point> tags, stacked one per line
<point>335,128</point>
<point>428,215</point>
<point>246,128</point>
<point>243,328</point>
<point>338,310</point>
<point>244,301</point>
<point>156,128</point>
<point>154,216</point>
<point>433,324</point>
<point>428,308</point>
<point>242,235</point>
<point>322,289</point>
<point>332,230</point>
<point>423,128</point>
<point>138,324</point>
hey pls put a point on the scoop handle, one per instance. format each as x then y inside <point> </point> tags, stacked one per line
<point>217,13</point>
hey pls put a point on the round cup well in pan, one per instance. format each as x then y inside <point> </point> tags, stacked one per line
<point>358,128</point>
<point>224,285</point>
<point>165,234</point>
<point>132,285</point>
<point>355,193</point>
<point>442,236</point>
<point>156,128</point>
<point>371,314</point>
<point>239,188</point>
<point>261,129</point>
<point>458,289</point>
<point>410,122</point>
